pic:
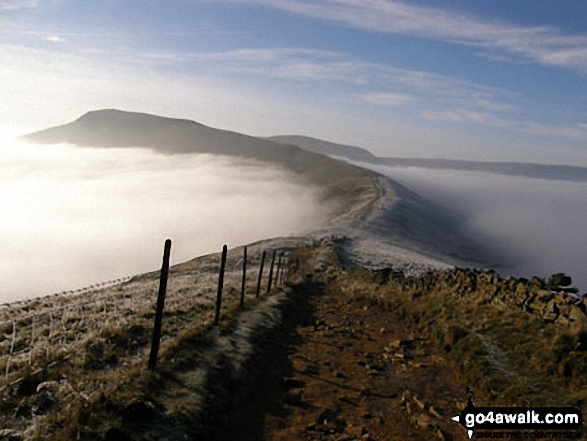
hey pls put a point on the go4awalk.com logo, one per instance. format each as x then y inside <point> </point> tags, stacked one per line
<point>549,422</point>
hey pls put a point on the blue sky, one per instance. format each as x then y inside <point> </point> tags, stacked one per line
<point>501,80</point>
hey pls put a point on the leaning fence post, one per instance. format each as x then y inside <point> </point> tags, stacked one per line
<point>244,277</point>
<point>160,304</point>
<point>220,285</point>
<point>271,271</point>
<point>260,274</point>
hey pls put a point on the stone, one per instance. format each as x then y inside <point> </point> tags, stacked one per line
<point>356,431</point>
<point>424,421</point>
<point>559,279</point>
<point>418,403</point>
<point>434,413</point>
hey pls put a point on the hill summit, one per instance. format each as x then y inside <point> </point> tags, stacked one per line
<point>338,180</point>
<point>360,201</point>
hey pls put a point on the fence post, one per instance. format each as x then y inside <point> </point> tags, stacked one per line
<point>11,348</point>
<point>271,271</point>
<point>160,304</point>
<point>260,274</point>
<point>283,269</point>
<point>278,269</point>
<point>220,285</point>
<point>244,277</point>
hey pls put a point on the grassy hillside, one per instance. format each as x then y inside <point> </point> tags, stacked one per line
<point>61,356</point>
<point>340,182</point>
<point>354,336</point>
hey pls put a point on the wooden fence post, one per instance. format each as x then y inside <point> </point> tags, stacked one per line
<point>220,285</point>
<point>11,348</point>
<point>244,277</point>
<point>160,304</point>
<point>260,274</point>
<point>283,269</point>
<point>271,271</point>
<point>278,269</point>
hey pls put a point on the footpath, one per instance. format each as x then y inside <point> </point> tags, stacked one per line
<point>341,369</point>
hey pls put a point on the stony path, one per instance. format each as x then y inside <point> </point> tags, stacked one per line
<point>333,368</point>
<point>355,373</point>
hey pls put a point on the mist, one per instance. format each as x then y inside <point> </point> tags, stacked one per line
<point>538,225</point>
<point>72,217</point>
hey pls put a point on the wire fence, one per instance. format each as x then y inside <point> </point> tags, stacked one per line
<point>38,334</point>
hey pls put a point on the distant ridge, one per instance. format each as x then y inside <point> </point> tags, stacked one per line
<point>339,181</point>
<point>116,128</point>
<point>362,203</point>
<point>529,170</point>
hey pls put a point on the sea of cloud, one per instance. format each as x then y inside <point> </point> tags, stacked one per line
<point>537,224</point>
<point>74,216</point>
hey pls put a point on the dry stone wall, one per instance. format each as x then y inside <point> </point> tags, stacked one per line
<point>548,300</point>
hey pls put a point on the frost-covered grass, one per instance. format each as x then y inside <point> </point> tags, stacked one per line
<point>65,349</point>
<point>60,352</point>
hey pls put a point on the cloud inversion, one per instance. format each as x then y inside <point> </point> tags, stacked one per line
<point>76,216</point>
<point>537,223</point>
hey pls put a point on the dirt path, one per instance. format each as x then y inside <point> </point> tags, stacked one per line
<point>340,369</point>
<point>358,374</point>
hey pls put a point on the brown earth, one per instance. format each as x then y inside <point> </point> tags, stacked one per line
<point>347,365</point>
<point>357,373</point>
<point>341,369</point>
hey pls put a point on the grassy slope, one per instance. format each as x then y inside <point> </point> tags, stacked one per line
<point>339,181</point>
<point>499,335</point>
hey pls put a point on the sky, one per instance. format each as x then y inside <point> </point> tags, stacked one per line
<point>462,79</point>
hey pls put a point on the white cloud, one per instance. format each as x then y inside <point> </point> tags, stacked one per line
<point>489,104</point>
<point>284,63</point>
<point>567,57</point>
<point>574,132</point>
<point>271,54</point>
<point>54,39</point>
<point>245,55</point>
<point>467,116</point>
<point>570,132</point>
<point>387,99</point>
<point>12,5</point>
<point>316,65</point>
<point>50,86</point>
<point>544,44</point>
